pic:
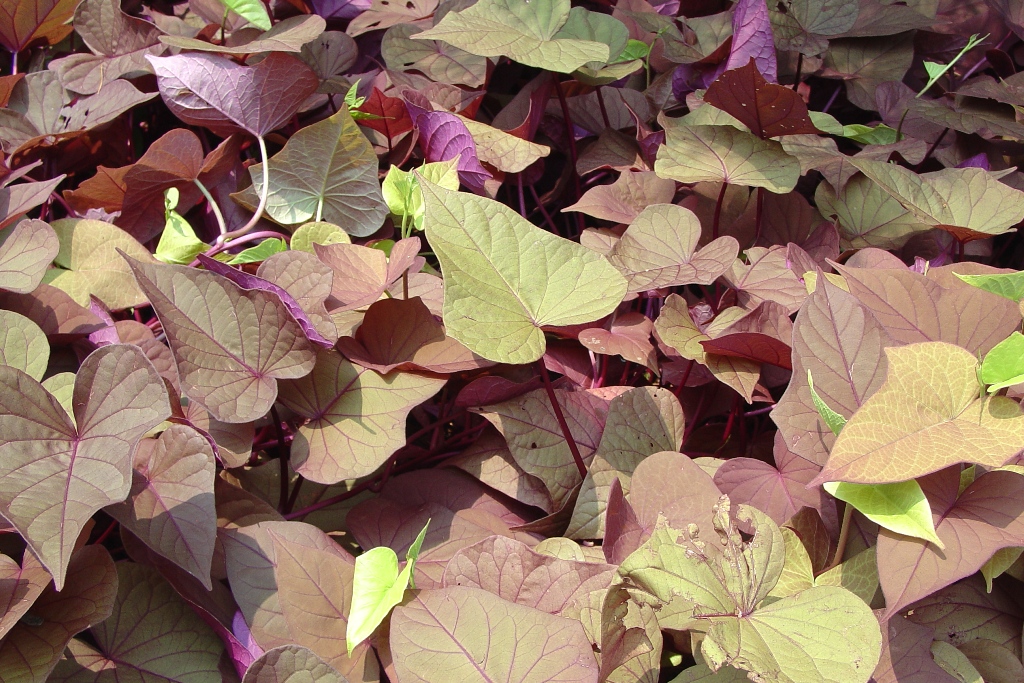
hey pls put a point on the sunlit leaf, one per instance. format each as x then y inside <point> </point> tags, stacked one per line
<point>233,379</point>
<point>806,25</point>
<point>178,242</point>
<point>23,345</point>
<point>401,189</point>
<point>900,507</point>
<point>26,251</point>
<point>49,492</point>
<point>1004,364</point>
<point>24,22</point>
<point>308,234</point>
<point>926,416</point>
<point>1007,285</point>
<point>252,11</point>
<point>291,664</point>
<point>527,33</point>
<point>693,154</point>
<point>288,35</point>
<point>505,278</point>
<point>326,171</point>
<point>261,252</point>
<point>88,250</point>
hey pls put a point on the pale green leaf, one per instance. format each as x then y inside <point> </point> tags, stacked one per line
<point>261,252</point>
<point>402,192</point>
<point>858,574</point>
<point>693,154</point>
<point>178,243</point>
<point>1001,560</point>
<point>1007,285</point>
<point>834,420</point>
<point>505,279</point>
<point>504,151</point>
<point>868,135</point>
<point>526,32</point>
<point>955,663</point>
<point>253,11</point>
<point>377,586</point>
<point>901,506</point>
<point>23,345</point>
<point>308,234</point>
<point>440,62</point>
<point>1004,364</point>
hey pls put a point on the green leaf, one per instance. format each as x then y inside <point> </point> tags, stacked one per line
<point>693,154</point>
<point>877,135</point>
<point>402,191</point>
<point>88,255</point>
<point>178,242</point>
<point>352,99</point>
<point>377,586</point>
<point>925,417</point>
<point>261,252</point>
<point>967,202</point>
<point>1004,364</point>
<point>901,506</point>
<point>635,49</point>
<point>23,345</point>
<point>806,25</point>
<point>526,32</point>
<point>1007,285</point>
<point>505,279</point>
<point>308,234</point>
<point>820,634</point>
<point>251,10</point>
<point>326,171</point>
<point>834,420</point>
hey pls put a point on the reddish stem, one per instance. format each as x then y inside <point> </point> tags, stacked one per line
<point>106,533</point>
<point>561,419</point>
<point>718,211</point>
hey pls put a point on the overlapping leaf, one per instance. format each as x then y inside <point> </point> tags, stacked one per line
<point>231,345</point>
<point>505,278</point>
<point>26,250</point>
<point>768,110</point>
<point>77,465</point>
<point>291,664</point>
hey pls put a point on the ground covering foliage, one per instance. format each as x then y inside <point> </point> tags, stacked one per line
<point>518,340</point>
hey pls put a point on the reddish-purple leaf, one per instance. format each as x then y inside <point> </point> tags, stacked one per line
<point>25,21</point>
<point>53,310</point>
<point>780,491</point>
<point>987,516</point>
<point>907,655</point>
<point>767,109</point>
<point>34,646</point>
<point>463,634</point>
<point>760,348</point>
<point>393,116</point>
<point>170,506</point>
<point>231,344</point>
<point>17,200</point>
<point>443,136</point>
<point>363,274</point>
<point>673,486</point>
<point>514,572</point>
<point>752,39</point>
<point>628,336</point>
<point>49,490</point>
<point>623,532</point>
<point>402,334</point>
<point>252,282</point>
<point>20,586</point>
<point>224,96</point>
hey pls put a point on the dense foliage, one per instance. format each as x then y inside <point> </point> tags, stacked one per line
<point>431,342</point>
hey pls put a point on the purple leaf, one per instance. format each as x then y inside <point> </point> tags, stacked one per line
<point>752,39</point>
<point>340,9</point>
<point>250,282</point>
<point>443,137</point>
<point>979,160</point>
<point>215,92</point>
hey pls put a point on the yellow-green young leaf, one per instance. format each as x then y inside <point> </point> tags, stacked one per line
<point>504,278</point>
<point>305,236</point>
<point>834,420</point>
<point>402,191</point>
<point>693,154</point>
<point>901,506</point>
<point>178,243</point>
<point>252,11</point>
<point>960,200</point>
<point>526,32</point>
<point>859,575</point>
<point>1004,364</point>
<point>377,586</point>
<point>1003,559</point>
<point>927,415</point>
<point>261,252</point>
<point>1007,285</point>
<point>23,345</point>
<point>88,253</point>
<point>504,151</point>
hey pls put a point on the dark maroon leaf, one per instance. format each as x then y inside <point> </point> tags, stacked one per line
<point>767,109</point>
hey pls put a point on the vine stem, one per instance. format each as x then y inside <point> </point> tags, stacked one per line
<point>251,237</point>
<point>263,199</point>
<point>844,537</point>
<point>561,419</point>
<point>799,65</point>
<point>573,156</point>
<point>212,203</point>
<point>931,150</point>
<point>604,111</point>
<point>282,458</point>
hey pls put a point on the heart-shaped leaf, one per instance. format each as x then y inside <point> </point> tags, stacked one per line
<point>623,200</point>
<point>141,637</point>
<point>377,586</point>
<point>37,643</point>
<point>525,32</point>
<point>170,507</point>
<point>233,379</point>
<point>659,249</point>
<point>505,279</point>
<point>767,109</point>
<point>628,336</point>
<point>50,494</point>
<point>926,416</point>
<point>291,664</point>
<point>866,215</point>
<point>357,417</point>
<point>326,171</point>
<point>26,251</point>
<point>438,61</point>
<point>693,154</point>
<point>806,25</point>
<point>453,634</point>
<point>224,96</point>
